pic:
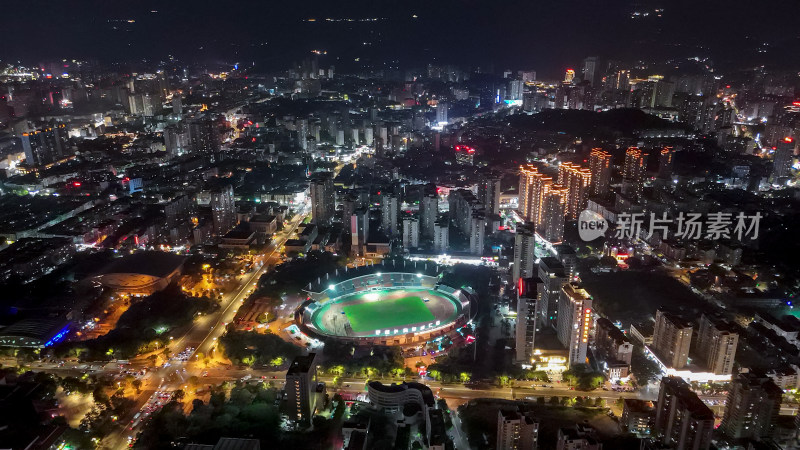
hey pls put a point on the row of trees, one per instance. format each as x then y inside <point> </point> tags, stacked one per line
<point>243,347</point>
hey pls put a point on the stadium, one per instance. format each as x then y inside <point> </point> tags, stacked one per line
<point>385,308</point>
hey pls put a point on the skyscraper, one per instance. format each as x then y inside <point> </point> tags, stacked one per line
<point>634,169</point>
<point>428,211</point>
<point>300,388</point>
<point>671,339</point>
<point>359,231</point>
<point>524,252</point>
<point>551,272</point>
<point>46,146</point>
<point>529,295</point>
<point>410,232</point>
<point>600,167</point>
<point>574,322</point>
<point>516,431</point>
<point>323,204</point>
<point>477,233</point>
<point>577,180</point>
<point>489,193</point>
<point>782,159</point>
<point>753,404</point>
<point>682,419</point>
<point>223,209</point>
<point>532,186</point>
<point>441,113</point>
<point>665,162</point>
<point>551,225</point>
<point>589,70</point>
<point>441,236</point>
<point>203,135</point>
<point>390,210</point>
<point>716,343</point>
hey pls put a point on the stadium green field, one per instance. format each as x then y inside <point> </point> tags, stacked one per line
<point>388,313</point>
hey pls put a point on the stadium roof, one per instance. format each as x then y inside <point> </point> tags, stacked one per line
<point>152,263</point>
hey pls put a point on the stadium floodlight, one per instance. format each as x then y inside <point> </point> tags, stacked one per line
<point>378,274</point>
<point>331,287</point>
<point>419,275</point>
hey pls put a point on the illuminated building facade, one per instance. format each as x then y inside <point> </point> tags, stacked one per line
<point>600,168</point>
<point>529,296</point>
<point>569,76</point>
<point>782,159</point>
<point>551,224</point>
<point>300,387</point>
<point>577,180</point>
<point>323,204</point>
<point>671,339</point>
<point>665,162</point>
<point>574,322</point>
<point>633,172</point>
<point>46,146</point>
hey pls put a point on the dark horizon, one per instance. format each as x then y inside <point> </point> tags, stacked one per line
<point>546,36</point>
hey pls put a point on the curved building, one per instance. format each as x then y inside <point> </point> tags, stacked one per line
<point>142,273</point>
<point>391,398</point>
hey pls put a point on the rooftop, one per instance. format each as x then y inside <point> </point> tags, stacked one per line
<point>301,364</point>
<point>152,263</point>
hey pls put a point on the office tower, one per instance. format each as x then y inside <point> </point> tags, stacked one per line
<point>441,236</point>
<point>529,297</point>
<point>574,321</point>
<point>176,140</point>
<point>203,135</point>
<point>477,233</point>
<point>524,252</point>
<point>223,210</point>
<point>671,339</point>
<point>551,272</point>
<point>151,104</point>
<point>527,76</point>
<point>368,136</point>
<point>634,170</point>
<point>782,159</point>
<point>516,431</point>
<point>323,204</point>
<point>577,180</point>
<point>552,217</point>
<point>754,403</point>
<point>46,146</point>
<point>410,233</point>
<point>515,90</point>
<point>600,167</point>
<point>589,70</point>
<point>441,113</point>
<point>569,76</point>
<point>569,259</point>
<point>135,104</point>
<point>665,162</point>
<point>300,389</point>
<point>489,193</point>
<point>359,231</point>
<point>340,138</point>
<point>390,210</point>
<point>682,419</point>
<point>428,211</point>
<point>716,344</point>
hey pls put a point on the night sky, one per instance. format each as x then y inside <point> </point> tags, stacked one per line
<point>547,36</point>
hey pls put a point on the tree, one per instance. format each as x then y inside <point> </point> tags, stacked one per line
<point>554,400</point>
<point>599,402</point>
<point>540,400</point>
<point>465,377</point>
<point>137,384</point>
<point>643,368</point>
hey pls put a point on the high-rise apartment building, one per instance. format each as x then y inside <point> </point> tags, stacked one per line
<point>529,295</point>
<point>551,272</point>
<point>410,232</point>
<point>590,70</point>
<point>223,209</point>
<point>782,158</point>
<point>553,208</point>
<point>489,193</point>
<point>665,162</point>
<point>428,211</point>
<point>390,211</point>
<point>203,136</point>
<point>683,421</point>
<point>577,181</point>
<point>524,252</point>
<point>441,236</point>
<point>613,348</point>
<point>716,343</point>
<point>516,431</point>
<point>359,231</point>
<point>574,322</point>
<point>753,404</point>
<point>671,339</point>
<point>569,259</point>
<point>323,203</point>
<point>477,233</point>
<point>532,187</point>
<point>46,146</point>
<point>300,389</point>
<point>634,170</point>
<point>441,113</point>
<point>600,168</point>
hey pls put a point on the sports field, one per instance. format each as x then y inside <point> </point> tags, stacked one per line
<point>389,313</point>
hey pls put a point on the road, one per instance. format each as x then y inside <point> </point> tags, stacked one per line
<point>202,336</point>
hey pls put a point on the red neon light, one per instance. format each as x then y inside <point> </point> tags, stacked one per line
<point>788,140</point>
<point>520,286</point>
<point>77,184</point>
